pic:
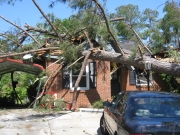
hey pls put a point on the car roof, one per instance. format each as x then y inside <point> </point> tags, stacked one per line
<point>151,94</point>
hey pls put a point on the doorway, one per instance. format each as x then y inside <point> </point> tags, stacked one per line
<point>115,82</point>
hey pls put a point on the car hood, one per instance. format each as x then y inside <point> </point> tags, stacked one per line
<point>159,125</point>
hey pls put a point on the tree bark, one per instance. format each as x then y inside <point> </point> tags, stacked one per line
<point>40,30</point>
<point>75,93</point>
<point>74,99</point>
<point>156,65</point>
<point>108,28</point>
<point>27,52</point>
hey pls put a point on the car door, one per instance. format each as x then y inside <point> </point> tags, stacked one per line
<point>120,118</point>
<point>109,110</point>
<point>114,115</point>
<point>117,115</point>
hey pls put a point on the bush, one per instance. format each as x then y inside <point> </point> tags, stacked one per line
<point>48,104</point>
<point>98,104</point>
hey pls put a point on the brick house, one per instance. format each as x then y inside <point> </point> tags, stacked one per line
<point>99,81</point>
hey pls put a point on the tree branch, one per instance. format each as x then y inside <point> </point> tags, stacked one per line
<point>29,28</point>
<point>140,40</point>
<point>55,72</point>
<point>21,29</point>
<point>55,30</point>
<point>26,52</point>
<point>74,99</point>
<point>108,28</point>
<point>22,39</point>
<point>3,35</point>
<point>53,63</point>
<point>75,61</point>
<point>87,37</point>
<point>115,19</point>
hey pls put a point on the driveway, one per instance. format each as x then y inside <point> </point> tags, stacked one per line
<point>30,122</point>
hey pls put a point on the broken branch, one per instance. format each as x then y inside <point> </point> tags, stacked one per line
<point>26,52</point>
<point>21,29</point>
<point>108,28</point>
<point>55,30</point>
<point>75,61</point>
<point>140,40</point>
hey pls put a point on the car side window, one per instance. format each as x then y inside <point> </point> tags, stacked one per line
<point>121,106</point>
<point>114,101</point>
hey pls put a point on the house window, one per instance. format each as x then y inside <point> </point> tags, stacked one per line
<point>88,78</point>
<point>84,83</point>
<point>139,77</point>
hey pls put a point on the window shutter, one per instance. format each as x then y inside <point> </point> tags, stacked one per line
<point>132,78</point>
<point>65,81</point>
<point>92,74</point>
<point>65,78</point>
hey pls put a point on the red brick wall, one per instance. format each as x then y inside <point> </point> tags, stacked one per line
<point>158,83</point>
<point>86,97</point>
<point>125,80</point>
<point>103,86</point>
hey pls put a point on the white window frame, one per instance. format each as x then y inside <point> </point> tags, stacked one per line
<point>145,82</point>
<point>87,79</point>
<point>142,82</point>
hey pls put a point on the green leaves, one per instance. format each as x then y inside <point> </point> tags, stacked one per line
<point>148,23</point>
<point>70,52</point>
<point>123,31</point>
<point>130,12</point>
<point>24,81</point>
<point>170,23</point>
<point>98,104</point>
<point>149,16</point>
<point>132,18</point>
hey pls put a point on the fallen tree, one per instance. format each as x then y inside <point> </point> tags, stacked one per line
<point>93,22</point>
<point>156,65</point>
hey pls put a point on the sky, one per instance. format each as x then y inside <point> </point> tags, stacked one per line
<point>26,12</point>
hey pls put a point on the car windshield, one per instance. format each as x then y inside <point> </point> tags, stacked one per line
<point>156,107</point>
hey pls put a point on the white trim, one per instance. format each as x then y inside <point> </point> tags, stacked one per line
<point>87,80</point>
<point>144,84</point>
<point>96,110</point>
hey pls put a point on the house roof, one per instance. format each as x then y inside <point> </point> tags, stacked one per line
<point>128,45</point>
<point>8,65</point>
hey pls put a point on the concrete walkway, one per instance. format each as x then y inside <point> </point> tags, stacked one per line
<point>29,122</point>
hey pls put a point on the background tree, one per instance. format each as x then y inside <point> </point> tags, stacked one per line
<point>132,17</point>
<point>7,94</point>
<point>170,24</point>
<point>149,22</point>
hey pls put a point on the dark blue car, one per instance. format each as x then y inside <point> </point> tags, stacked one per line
<point>142,113</point>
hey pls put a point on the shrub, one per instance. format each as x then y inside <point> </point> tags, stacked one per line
<point>98,104</point>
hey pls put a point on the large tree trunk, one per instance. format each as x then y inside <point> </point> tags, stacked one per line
<point>156,65</point>
<point>75,94</point>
